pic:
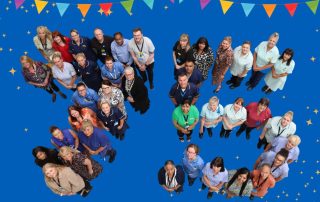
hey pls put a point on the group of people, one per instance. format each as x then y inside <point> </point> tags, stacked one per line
<point>99,95</point>
<point>270,167</point>
<point>195,61</point>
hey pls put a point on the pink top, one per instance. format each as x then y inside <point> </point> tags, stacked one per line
<point>64,50</point>
<point>253,118</point>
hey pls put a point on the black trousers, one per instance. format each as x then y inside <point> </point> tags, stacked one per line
<point>52,87</point>
<point>244,127</point>
<point>224,132</point>
<point>236,81</point>
<point>255,78</point>
<point>191,180</point>
<point>180,134</point>
<point>149,71</point>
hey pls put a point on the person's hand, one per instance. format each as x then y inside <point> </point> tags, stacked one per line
<point>201,130</point>
<point>178,66</point>
<point>275,76</point>
<point>261,137</point>
<point>256,68</point>
<point>222,77</point>
<point>213,189</point>
<point>142,67</point>
<point>106,128</point>
<point>91,171</point>
<point>119,127</point>
<point>130,99</point>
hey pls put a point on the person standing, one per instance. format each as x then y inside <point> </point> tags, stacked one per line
<point>101,45</point>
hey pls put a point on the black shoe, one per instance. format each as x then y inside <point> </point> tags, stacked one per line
<point>210,132</point>
<point>112,155</point>
<point>151,86</point>
<point>188,139</point>
<point>268,91</point>
<point>209,195</point>
<point>247,136</point>
<point>117,136</point>
<point>62,95</point>
<point>248,83</point>
<point>121,137</point>
<point>221,134</point>
<point>229,82</point>
<point>249,88</point>
<point>251,197</point>
<point>232,87</point>
<point>227,135</point>
<point>264,88</point>
<point>54,97</point>
<point>238,133</point>
<point>200,135</point>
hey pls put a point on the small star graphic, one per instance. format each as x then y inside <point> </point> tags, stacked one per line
<point>317,30</point>
<point>130,13</point>
<point>309,122</point>
<point>32,5</point>
<point>82,20</point>
<point>1,49</point>
<point>316,111</point>
<point>25,52</point>
<point>12,71</point>
<point>308,107</point>
<point>298,194</point>
<point>311,177</point>
<point>318,172</point>
<point>314,190</point>
<point>10,49</point>
<point>9,2</point>
<point>312,59</point>
<point>100,11</point>
<point>283,192</point>
<point>301,172</point>
<point>18,87</point>
<point>284,97</point>
<point>28,32</point>
<point>7,8</point>
<point>317,141</point>
<point>4,35</point>
<point>22,7</point>
<point>109,12</point>
<point>237,157</point>
<point>47,11</point>
<point>53,4</point>
<point>26,11</point>
<point>297,199</point>
<point>317,161</point>
<point>287,195</point>
<point>166,7</point>
<point>26,129</point>
<point>278,196</point>
<point>304,161</point>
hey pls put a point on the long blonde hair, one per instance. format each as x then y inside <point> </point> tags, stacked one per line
<point>51,165</point>
<point>46,31</point>
<point>26,58</point>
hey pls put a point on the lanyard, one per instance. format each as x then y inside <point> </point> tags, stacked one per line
<point>45,43</point>
<point>259,185</point>
<point>140,49</point>
<point>183,93</point>
<point>276,168</point>
<point>186,118</point>
<point>114,75</point>
<point>279,128</point>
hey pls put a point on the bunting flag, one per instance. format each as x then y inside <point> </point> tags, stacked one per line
<point>149,3</point>
<point>172,1</point>
<point>269,8</point>
<point>106,8</point>
<point>313,5</point>
<point>18,3</point>
<point>291,8</point>
<point>204,3</point>
<point>84,8</point>
<point>247,8</point>
<point>40,5</point>
<point>225,5</point>
<point>62,7</point>
<point>127,5</point>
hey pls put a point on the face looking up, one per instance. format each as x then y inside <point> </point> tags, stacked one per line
<point>88,131</point>
<point>98,34</point>
<point>191,153</point>
<point>81,61</point>
<point>57,134</point>
<point>58,62</point>
<point>245,48</point>
<point>185,108</point>
<point>137,36</point>
<point>183,81</point>
<point>118,39</point>
<point>51,172</point>
<point>82,90</point>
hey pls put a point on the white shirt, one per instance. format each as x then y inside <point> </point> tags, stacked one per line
<point>65,75</point>
<point>211,115</point>
<point>265,57</point>
<point>234,116</point>
<point>275,129</point>
<point>215,179</point>
<point>142,50</point>
<point>240,61</point>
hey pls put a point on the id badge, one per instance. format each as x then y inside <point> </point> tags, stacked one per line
<point>116,123</point>
<point>178,60</point>
<point>186,127</point>
<point>103,52</point>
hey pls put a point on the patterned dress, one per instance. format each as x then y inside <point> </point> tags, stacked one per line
<point>115,99</point>
<point>222,63</point>
<point>78,167</point>
<point>203,61</point>
<point>235,188</point>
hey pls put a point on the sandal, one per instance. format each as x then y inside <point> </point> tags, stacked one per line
<point>217,89</point>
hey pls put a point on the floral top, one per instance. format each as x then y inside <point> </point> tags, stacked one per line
<point>224,57</point>
<point>235,188</point>
<point>115,99</point>
<point>78,167</point>
<point>40,74</point>
<point>203,61</point>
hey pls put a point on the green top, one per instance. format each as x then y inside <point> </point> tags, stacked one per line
<point>185,120</point>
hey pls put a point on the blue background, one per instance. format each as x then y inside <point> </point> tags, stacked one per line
<point>27,112</point>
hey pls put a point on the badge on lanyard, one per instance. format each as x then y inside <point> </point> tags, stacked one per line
<point>103,52</point>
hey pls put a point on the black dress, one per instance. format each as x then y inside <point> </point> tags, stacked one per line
<point>90,75</point>
<point>112,121</point>
<point>138,92</point>
<point>179,177</point>
<point>52,156</point>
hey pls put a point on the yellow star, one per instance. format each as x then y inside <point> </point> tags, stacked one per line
<point>100,11</point>
<point>318,172</point>
<point>18,87</point>
<point>12,71</point>
<point>316,111</point>
<point>309,122</point>
<point>109,12</point>
<point>312,59</point>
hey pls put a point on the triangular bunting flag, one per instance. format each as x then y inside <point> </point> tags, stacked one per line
<point>269,8</point>
<point>106,8</point>
<point>62,7</point>
<point>291,8</point>
<point>172,1</point>
<point>149,3</point>
<point>18,3</point>
<point>40,5</point>
<point>84,8</point>
<point>204,3</point>
<point>247,8</point>
<point>127,5</point>
<point>225,5</point>
<point>180,1</point>
<point>313,5</point>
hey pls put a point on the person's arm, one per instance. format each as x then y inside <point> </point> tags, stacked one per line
<point>268,147</point>
<point>194,100</point>
<point>226,122</point>
<point>244,72</point>
<point>150,58</point>
<point>88,164</point>
<point>206,181</point>
<point>55,145</point>
<point>278,178</point>
<point>102,124</point>
<point>44,54</point>
<point>175,60</point>
<point>173,100</point>
<point>289,161</point>
<point>135,59</point>
<point>263,133</point>
<point>254,63</point>
<point>193,125</point>
<point>238,123</point>
<point>121,122</point>
<point>73,79</point>
<point>217,187</point>
<point>76,139</point>
<point>100,149</point>
<point>62,83</point>
<point>256,163</point>
<point>202,121</point>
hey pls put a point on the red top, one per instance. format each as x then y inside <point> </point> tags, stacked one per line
<point>261,185</point>
<point>253,118</point>
<point>64,50</point>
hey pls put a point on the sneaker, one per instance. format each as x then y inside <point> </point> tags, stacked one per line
<point>54,97</point>
<point>210,132</point>
<point>232,87</point>
<point>251,197</point>
<point>188,139</point>
<point>209,195</point>
<point>247,136</point>
<point>229,82</point>
<point>248,83</point>
<point>181,140</point>
<point>221,134</point>
<point>264,88</point>
<point>200,135</point>
<point>238,133</point>
<point>151,86</point>
<point>227,135</point>
<point>121,137</point>
<point>112,156</point>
